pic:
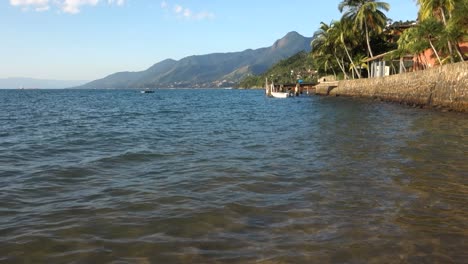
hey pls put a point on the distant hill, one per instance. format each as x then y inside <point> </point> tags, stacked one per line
<point>211,70</point>
<point>31,83</point>
<point>299,66</point>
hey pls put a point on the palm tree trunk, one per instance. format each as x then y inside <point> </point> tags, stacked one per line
<point>435,52</point>
<point>449,44</point>
<point>368,40</point>
<point>368,69</point>
<point>343,63</point>
<point>402,65</point>
<point>333,70</point>
<point>368,46</point>
<point>341,67</point>
<point>351,60</point>
<point>334,73</point>
<point>457,48</point>
<point>393,67</point>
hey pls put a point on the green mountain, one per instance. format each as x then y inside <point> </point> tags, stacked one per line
<point>211,70</point>
<point>297,67</point>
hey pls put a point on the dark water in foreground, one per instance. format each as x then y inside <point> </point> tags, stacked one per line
<point>228,176</point>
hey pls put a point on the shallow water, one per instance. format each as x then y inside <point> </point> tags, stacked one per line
<point>228,176</point>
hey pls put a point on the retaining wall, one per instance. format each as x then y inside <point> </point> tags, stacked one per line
<point>441,87</point>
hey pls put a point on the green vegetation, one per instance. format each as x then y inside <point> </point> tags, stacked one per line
<point>343,46</point>
<point>365,15</point>
<point>339,48</point>
<point>300,66</point>
<point>364,31</point>
<point>442,25</point>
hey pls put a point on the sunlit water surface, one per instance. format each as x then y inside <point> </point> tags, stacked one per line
<point>228,176</point>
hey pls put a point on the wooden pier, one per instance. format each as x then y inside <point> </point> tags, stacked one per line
<point>304,88</point>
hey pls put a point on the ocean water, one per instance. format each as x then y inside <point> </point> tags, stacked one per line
<point>228,176</point>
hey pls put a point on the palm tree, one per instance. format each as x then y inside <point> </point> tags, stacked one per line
<point>457,26</point>
<point>431,30</point>
<point>436,8</point>
<point>410,43</point>
<point>440,9</point>
<point>366,15</point>
<point>325,61</point>
<point>360,61</point>
<point>344,34</point>
<point>323,45</point>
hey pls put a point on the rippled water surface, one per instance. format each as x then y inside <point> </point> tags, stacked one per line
<point>228,176</point>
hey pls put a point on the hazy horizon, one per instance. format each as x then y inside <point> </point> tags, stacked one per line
<point>33,83</point>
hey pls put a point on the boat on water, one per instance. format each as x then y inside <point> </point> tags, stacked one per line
<point>272,92</point>
<point>280,95</point>
<point>147,91</point>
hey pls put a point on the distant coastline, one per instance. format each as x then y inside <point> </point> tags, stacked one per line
<point>32,83</point>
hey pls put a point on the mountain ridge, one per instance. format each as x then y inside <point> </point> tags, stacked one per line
<point>208,70</point>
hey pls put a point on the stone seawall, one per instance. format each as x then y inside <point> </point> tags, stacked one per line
<point>443,87</point>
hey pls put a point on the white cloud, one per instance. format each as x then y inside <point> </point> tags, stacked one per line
<point>178,9</point>
<point>184,12</point>
<point>187,13</point>
<point>29,2</point>
<point>117,2</point>
<point>42,8</point>
<point>67,6</point>
<point>38,5</point>
<point>73,6</point>
<point>204,15</point>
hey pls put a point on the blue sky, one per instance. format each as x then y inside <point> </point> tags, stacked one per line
<point>89,39</point>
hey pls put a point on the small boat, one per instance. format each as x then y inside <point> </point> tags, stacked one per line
<point>280,95</point>
<point>270,91</point>
<point>147,91</point>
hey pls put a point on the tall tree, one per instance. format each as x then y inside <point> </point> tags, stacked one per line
<point>411,43</point>
<point>436,8</point>
<point>431,30</point>
<point>324,45</point>
<point>457,26</point>
<point>366,15</point>
<point>441,10</point>
<point>345,35</point>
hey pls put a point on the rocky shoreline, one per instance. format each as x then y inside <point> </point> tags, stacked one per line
<point>444,87</point>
